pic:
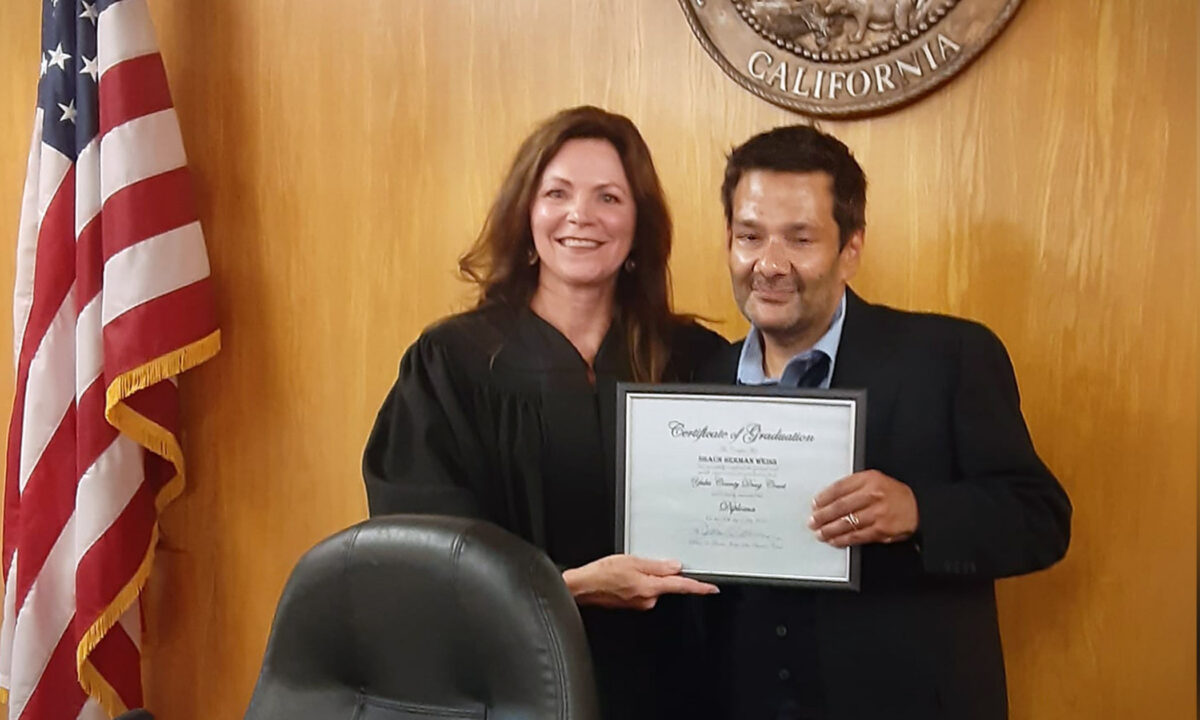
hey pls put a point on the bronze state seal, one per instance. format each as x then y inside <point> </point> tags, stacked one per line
<point>845,57</point>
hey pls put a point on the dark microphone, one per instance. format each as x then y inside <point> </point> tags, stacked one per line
<point>136,715</point>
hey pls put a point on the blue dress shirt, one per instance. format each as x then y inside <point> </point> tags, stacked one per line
<point>751,370</point>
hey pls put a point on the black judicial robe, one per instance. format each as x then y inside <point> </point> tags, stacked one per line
<point>493,416</point>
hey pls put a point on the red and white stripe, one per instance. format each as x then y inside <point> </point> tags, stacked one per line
<point>112,299</point>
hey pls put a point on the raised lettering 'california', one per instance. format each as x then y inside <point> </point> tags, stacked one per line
<point>776,71</point>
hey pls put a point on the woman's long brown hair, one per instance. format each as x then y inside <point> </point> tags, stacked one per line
<point>498,262</point>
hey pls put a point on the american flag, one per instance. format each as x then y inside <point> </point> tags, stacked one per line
<point>112,301</point>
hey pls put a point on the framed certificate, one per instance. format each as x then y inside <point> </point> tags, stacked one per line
<point>722,479</point>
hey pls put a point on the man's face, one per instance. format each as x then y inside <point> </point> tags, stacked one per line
<point>788,273</point>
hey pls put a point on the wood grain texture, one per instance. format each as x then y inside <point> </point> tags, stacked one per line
<point>18,87</point>
<point>346,154</point>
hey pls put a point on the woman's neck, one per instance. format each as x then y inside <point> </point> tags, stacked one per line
<point>582,314</point>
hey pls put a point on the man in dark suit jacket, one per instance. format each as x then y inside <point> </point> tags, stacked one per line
<point>954,496</point>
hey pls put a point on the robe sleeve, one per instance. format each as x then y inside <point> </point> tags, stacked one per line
<point>423,453</point>
<point>693,347</point>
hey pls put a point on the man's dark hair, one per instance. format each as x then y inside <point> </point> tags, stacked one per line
<point>803,149</point>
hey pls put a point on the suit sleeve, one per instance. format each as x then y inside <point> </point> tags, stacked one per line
<point>1006,514</point>
<point>419,455</point>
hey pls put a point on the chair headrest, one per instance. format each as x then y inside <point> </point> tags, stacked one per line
<point>433,612</point>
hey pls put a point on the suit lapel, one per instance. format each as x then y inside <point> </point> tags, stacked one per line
<point>863,362</point>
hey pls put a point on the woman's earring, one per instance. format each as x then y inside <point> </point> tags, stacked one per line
<point>630,264</point>
<point>532,257</point>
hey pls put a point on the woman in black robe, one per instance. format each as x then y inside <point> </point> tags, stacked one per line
<point>506,412</point>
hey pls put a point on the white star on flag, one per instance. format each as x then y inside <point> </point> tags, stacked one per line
<point>91,67</point>
<point>69,112</point>
<point>59,58</point>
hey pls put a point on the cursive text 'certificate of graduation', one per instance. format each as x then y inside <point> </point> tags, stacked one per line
<point>722,478</point>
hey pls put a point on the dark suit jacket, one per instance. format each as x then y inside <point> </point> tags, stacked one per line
<point>921,639</point>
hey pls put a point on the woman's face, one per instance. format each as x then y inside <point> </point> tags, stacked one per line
<point>583,216</point>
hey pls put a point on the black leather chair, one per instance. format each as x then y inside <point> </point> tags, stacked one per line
<point>425,618</point>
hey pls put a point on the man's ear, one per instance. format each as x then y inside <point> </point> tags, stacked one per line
<point>851,254</point>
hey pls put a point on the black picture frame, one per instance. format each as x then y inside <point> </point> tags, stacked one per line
<point>857,400</point>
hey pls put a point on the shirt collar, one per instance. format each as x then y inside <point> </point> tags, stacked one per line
<point>750,364</point>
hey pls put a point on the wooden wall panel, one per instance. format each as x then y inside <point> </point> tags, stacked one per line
<point>346,154</point>
<point>19,43</point>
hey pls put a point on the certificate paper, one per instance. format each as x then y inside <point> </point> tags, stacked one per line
<point>722,479</point>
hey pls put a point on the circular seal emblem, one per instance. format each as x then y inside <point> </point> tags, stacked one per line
<point>839,58</point>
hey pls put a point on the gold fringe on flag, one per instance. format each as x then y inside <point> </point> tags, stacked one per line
<point>162,442</point>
